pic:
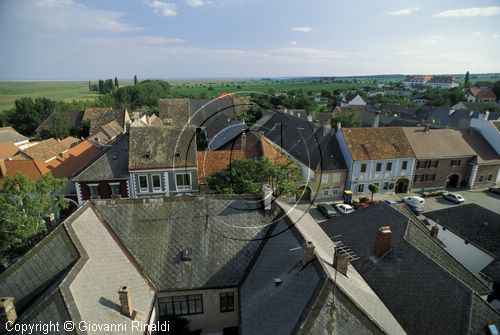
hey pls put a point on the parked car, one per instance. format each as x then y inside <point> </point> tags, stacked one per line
<point>390,202</point>
<point>344,209</point>
<point>414,201</point>
<point>415,209</point>
<point>494,190</point>
<point>327,210</point>
<point>454,197</point>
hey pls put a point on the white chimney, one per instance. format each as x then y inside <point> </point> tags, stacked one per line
<point>267,196</point>
<point>7,312</point>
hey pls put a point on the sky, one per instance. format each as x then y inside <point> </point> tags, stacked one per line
<point>169,39</point>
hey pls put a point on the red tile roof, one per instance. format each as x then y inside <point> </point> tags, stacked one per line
<point>73,160</point>
<point>7,150</point>
<point>33,169</point>
<point>210,162</point>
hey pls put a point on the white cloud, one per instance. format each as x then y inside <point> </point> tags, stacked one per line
<point>67,15</point>
<point>496,35</point>
<point>470,12</point>
<point>162,7</point>
<point>405,11</point>
<point>133,41</point>
<point>293,43</point>
<point>433,39</point>
<point>407,53</point>
<point>303,29</point>
<point>196,3</point>
<point>477,33</point>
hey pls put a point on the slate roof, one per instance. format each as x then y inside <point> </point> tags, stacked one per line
<point>376,143</point>
<point>227,135</point>
<point>99,117</point>
<point>424,287</point>
<point>478,106</point>
<point>484,152</point>
<point>111,165</point>
<point>303,141</point>
<point>269,309</point>
<point>175,110</point>
<point>437,143</point>
<point>451,118</point>
<point>222,235</point>
<point>9,134</point>
<point>478,226</point>
<point>162,147</point>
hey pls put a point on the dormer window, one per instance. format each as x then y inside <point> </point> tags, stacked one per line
<point>147,154</point>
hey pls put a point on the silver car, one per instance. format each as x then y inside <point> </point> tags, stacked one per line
<point>454,197</point>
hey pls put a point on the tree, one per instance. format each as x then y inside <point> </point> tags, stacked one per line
<point>135,80</point>
<point>496,89</point>
<point>373,188</point>
<point>347,120</point>
<point>23,206</point>
<point>59,129</point>
<point>116,82</point>
<point>90,86</point>
<point>245,176</point>
<point>466,82</point>
<point>28,114</point>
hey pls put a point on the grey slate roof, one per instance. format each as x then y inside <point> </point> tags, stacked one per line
<point>38,268</point>
<point>270,309</point>
<point>422,285</point>
<point>219,232</point>
<point>458,119</point>
<point>476,225</point>
<point>222,131</point>
<point>112,164</point>
<point>304,142</point>
<point>162,147</point>
<point>204,111</point>
<point>9,134</point>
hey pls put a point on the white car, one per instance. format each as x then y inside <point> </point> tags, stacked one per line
<point>454,197</point>
<point>344,209</point>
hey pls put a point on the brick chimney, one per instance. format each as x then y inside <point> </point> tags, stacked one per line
<point>7,312</point>
<point>308,253</point>
<point>434,231</point>
<point>382,241</point>
<point>3,169</point>
<point>341,261</point>
<point>125,301</point>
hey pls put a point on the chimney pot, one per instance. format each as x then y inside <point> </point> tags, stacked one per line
<point>243,141</point>
<point>434,231</point>
<point>308,253</point>
<point>341,261</point>
<point>7,312</point>
<point>382,241</point>
<point>125,301</point>
<point>376,119</point>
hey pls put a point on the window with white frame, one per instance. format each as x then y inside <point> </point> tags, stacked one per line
<point>326,192</point>
<point>362,168</point>
<point>388,166</point>
<point>336,177</point>
<point>386,186</point>
<point>143,183</point>
<point>335,191</point>
<point>181,305</point>
<point>405,165</point>
<point>324,178</point>
<point>156,180</point>
<point>183,181</point>
<point>94,190</point>
<point>361,188</point>
<point>115,190</point>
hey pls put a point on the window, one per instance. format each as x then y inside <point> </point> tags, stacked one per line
<point>391,186</point>
<point>405,165</point>
<point>455,162</point>
<point>389,166</point>
<point>156,182</point>
<point>335,191</point>
<point>94,191</point>
<point>490,177</point>
<point>379,167</point>
<point>226,302</point>
<point>143,183</point>
<point>324,178</point>
<point>419,177</point>
<point>434,163</point>
<point>481,178</point>
<point>115,190</point>
<point>386,186</point>
<point>183,181</point>
<point>430,177</point>
<point>181,305</point>
<point>361,188</point>
<point>363,168</point>
<point>326,192</point>
<point>336,177</point>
